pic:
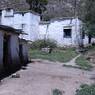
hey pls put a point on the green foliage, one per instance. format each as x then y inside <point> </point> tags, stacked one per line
<point>43,43</point>
<point>83,63</point>
<point>37,5</point>
<point>56,55</point>
<point>57,92</point>
<point>89,29</point>
<point>86,90</point>
<point>89,17</point>
<point>89,11</point>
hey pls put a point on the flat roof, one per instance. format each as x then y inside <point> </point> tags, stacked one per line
<point>21,12</point>
<point>56,19</point>
<point>28,11</point>
<point>45,22</point>
<point>62,18</point>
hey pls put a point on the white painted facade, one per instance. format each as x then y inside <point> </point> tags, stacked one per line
<point>29,22</point>
<point>55,30</point>
<point>26,21</point>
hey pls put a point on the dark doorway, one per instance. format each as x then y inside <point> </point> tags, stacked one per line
<point>21,53</point>
<point>6,52</point>
<point>0,15</point>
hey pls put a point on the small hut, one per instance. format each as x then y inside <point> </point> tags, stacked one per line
<point>9,49</point>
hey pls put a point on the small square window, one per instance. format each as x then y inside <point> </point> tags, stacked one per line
<point>67,33</point>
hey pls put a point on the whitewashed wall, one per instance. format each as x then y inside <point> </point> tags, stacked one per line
<point>56,31</point>
<point>7,18</point>
<point>29,21</point>
<point>34,31</point>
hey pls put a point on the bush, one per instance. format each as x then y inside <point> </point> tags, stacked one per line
<point>43,43</point>
<point>86,90</point>
<point>57,92</point>
<point>83,63</point>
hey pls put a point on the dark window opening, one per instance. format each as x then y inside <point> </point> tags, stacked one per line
<point>67,33</point>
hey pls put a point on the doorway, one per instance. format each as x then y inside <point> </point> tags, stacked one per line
<point>21,53</point>
<point>6,52</point>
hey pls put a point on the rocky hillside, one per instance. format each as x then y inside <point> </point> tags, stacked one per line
<point>58,8</point>
<point>55,8</point>
<point>63,8</point>
<point>18,5</point>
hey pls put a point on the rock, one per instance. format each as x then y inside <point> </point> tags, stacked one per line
<point>88,58</point>
<point>45,50</point>
<point>24,68</point>
<point>92,77</point>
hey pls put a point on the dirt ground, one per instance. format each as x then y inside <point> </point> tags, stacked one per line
<point>42,77</point>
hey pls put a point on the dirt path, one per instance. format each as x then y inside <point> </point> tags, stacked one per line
<point>41,78</point>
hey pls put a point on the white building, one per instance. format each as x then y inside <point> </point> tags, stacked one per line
<point>26,21</point>
<point>65,31</point>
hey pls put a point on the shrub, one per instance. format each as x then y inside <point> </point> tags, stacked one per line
<point>57,92</point>
<point>83,63</point>
<point>86,90</point>
<point>38,44</point>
